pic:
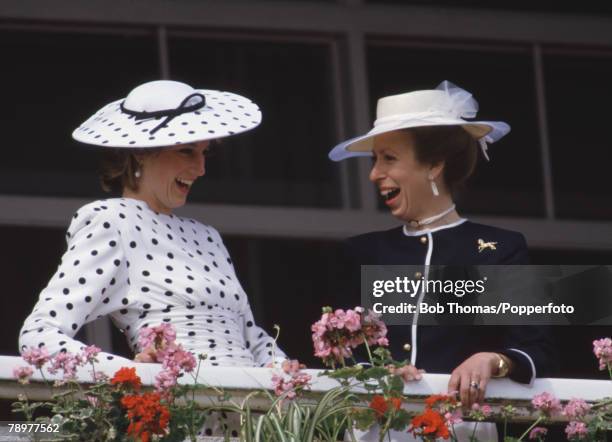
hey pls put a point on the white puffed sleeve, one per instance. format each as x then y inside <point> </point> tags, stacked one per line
<point>91,273</point>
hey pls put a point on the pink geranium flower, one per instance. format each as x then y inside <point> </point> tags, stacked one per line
<point>154,341</point>
<point>23,374</point>
<point>90,353</point>
<point>486,410</point>
<point>352,321</point>
<point>36,356</point>
<point>290,387</point>
<point>291,380</point>
<point>331,339</point>
<point>576,408</point>
<point>538,433</point>
<point>338,332</point>
<point>176,358</point>
<point>602,348</point>
<point>375,329</point>
<point>282,387</point>
<point>576,430</point>
<point>453,418</point>
<point>166,379</point>
<point>546,403</point>
<point>67,362</point>
<point>158,344</point>
<point>99,376</point>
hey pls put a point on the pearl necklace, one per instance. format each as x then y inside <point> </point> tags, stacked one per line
<point>431,219</point>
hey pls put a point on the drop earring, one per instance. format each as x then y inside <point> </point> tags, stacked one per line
<point>434,188</point>
<point>137,173</point>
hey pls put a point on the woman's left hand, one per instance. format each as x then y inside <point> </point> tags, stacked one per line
<point>148,355</point>
<point>471,377</point>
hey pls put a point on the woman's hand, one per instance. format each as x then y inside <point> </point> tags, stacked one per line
<point>470,379</point>
<point>407,372</point>
<point>147,355</point>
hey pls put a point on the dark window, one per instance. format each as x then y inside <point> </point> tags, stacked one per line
<point>288,281</point>
<point>588,7</point>
<point>24,274</point>
<point>579,362</point>
<point>52,83</point>
<point>502,83</point>
<point>284,160</point>
<point>578,95</point>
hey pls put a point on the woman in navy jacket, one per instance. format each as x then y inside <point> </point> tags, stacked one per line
<point>423,147</point>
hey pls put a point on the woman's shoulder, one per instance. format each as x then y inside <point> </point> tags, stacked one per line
<point>105,206</point>
<point>373,240</point>
<point>102,213</point>
<point>490,244</point>
<point>377,235</point>
<point>200,228</point>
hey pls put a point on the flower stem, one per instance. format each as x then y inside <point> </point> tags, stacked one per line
<point>474,431</point>
<point>42,373</point>
<point>505,427</point>
<point>454,437</point>
<point>365,342</point>
<point>277,330</point>
<point>385,429</point>
<point>530,428</point>
<point>601,404</point>
<point>93,371</point>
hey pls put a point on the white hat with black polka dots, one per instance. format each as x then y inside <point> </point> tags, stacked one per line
<point>164,113</point>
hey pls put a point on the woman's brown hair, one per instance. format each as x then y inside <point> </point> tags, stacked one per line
<point>117,170</point>
<point>451,145</point>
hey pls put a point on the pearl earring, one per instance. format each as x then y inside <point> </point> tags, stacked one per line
<point>434,188</point>
<point>137,173</point>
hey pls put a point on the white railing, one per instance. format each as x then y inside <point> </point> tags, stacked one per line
<point>240,381</point>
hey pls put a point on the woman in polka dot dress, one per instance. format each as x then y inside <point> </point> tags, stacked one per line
<point>131,257</point>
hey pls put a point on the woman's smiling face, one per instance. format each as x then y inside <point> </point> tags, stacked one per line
<point>167,175</point>
<point>403,182</point>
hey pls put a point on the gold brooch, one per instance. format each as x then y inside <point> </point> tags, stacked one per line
<point>482,245</point>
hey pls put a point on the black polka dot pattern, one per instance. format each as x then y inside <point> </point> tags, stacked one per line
<point>223,115</point>
<point>140,282</point>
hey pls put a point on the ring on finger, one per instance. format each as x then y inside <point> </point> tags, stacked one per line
<point>474,385</point>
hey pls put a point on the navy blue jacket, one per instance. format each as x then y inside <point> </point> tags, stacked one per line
<point>442,348</point>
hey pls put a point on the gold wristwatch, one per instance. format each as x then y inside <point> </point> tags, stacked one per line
<point>503,366</point>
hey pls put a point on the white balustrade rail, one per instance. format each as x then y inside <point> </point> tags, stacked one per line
<point>239,381</point>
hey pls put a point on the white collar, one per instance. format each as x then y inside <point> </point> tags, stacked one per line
<point>432,230</point>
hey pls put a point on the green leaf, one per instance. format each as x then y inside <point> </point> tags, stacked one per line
<point>372,373</point>
<point>345,372</point>
<point>396,384</point>
<point>401,420</point>
<point>364,419</point>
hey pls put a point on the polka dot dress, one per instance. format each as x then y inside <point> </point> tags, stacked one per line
<point>143,269</point>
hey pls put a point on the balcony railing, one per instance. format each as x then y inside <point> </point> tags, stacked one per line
<point>240,381</point>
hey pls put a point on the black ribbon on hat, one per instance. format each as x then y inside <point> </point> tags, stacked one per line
<point>168,113</point>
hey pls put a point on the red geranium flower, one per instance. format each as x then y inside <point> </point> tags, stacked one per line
<point>146,414</point>
<point>429,424</point>
<point>380,405</point>
<point>127,377</point>
<point>432,400</point>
